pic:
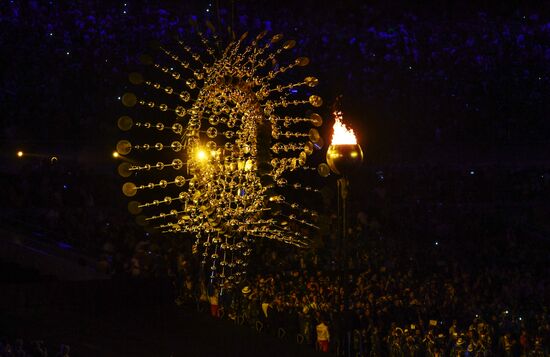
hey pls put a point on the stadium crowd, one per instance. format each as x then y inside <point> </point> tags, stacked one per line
<point>462,70</point>
<point>33,349</point>
<point>398,297</point>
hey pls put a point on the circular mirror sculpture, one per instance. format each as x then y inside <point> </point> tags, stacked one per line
<point>217,137</point>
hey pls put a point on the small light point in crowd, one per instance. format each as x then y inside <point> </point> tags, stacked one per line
<point>20,153</point>
<point>115,154</point>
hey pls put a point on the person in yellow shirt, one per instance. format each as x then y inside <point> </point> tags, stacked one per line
<point>323,336</point>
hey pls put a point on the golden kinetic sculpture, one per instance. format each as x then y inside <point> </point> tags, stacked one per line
<point>238,132</point>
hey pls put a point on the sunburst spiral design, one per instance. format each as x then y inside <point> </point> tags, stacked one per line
<point>227,145</point>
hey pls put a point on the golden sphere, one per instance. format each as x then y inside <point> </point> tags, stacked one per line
<point>344,158</point>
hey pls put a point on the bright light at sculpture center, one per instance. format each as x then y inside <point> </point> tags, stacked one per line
<point>201,155</point>
<point>342,134</point>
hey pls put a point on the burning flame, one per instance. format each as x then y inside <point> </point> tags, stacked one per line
<point>342,135</point>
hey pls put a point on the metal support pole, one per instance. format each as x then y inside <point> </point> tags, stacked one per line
<point>343,189</point>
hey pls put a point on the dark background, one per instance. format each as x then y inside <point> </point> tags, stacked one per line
<point>449,101</point>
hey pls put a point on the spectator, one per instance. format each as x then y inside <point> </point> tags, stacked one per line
<point>323,336</point>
